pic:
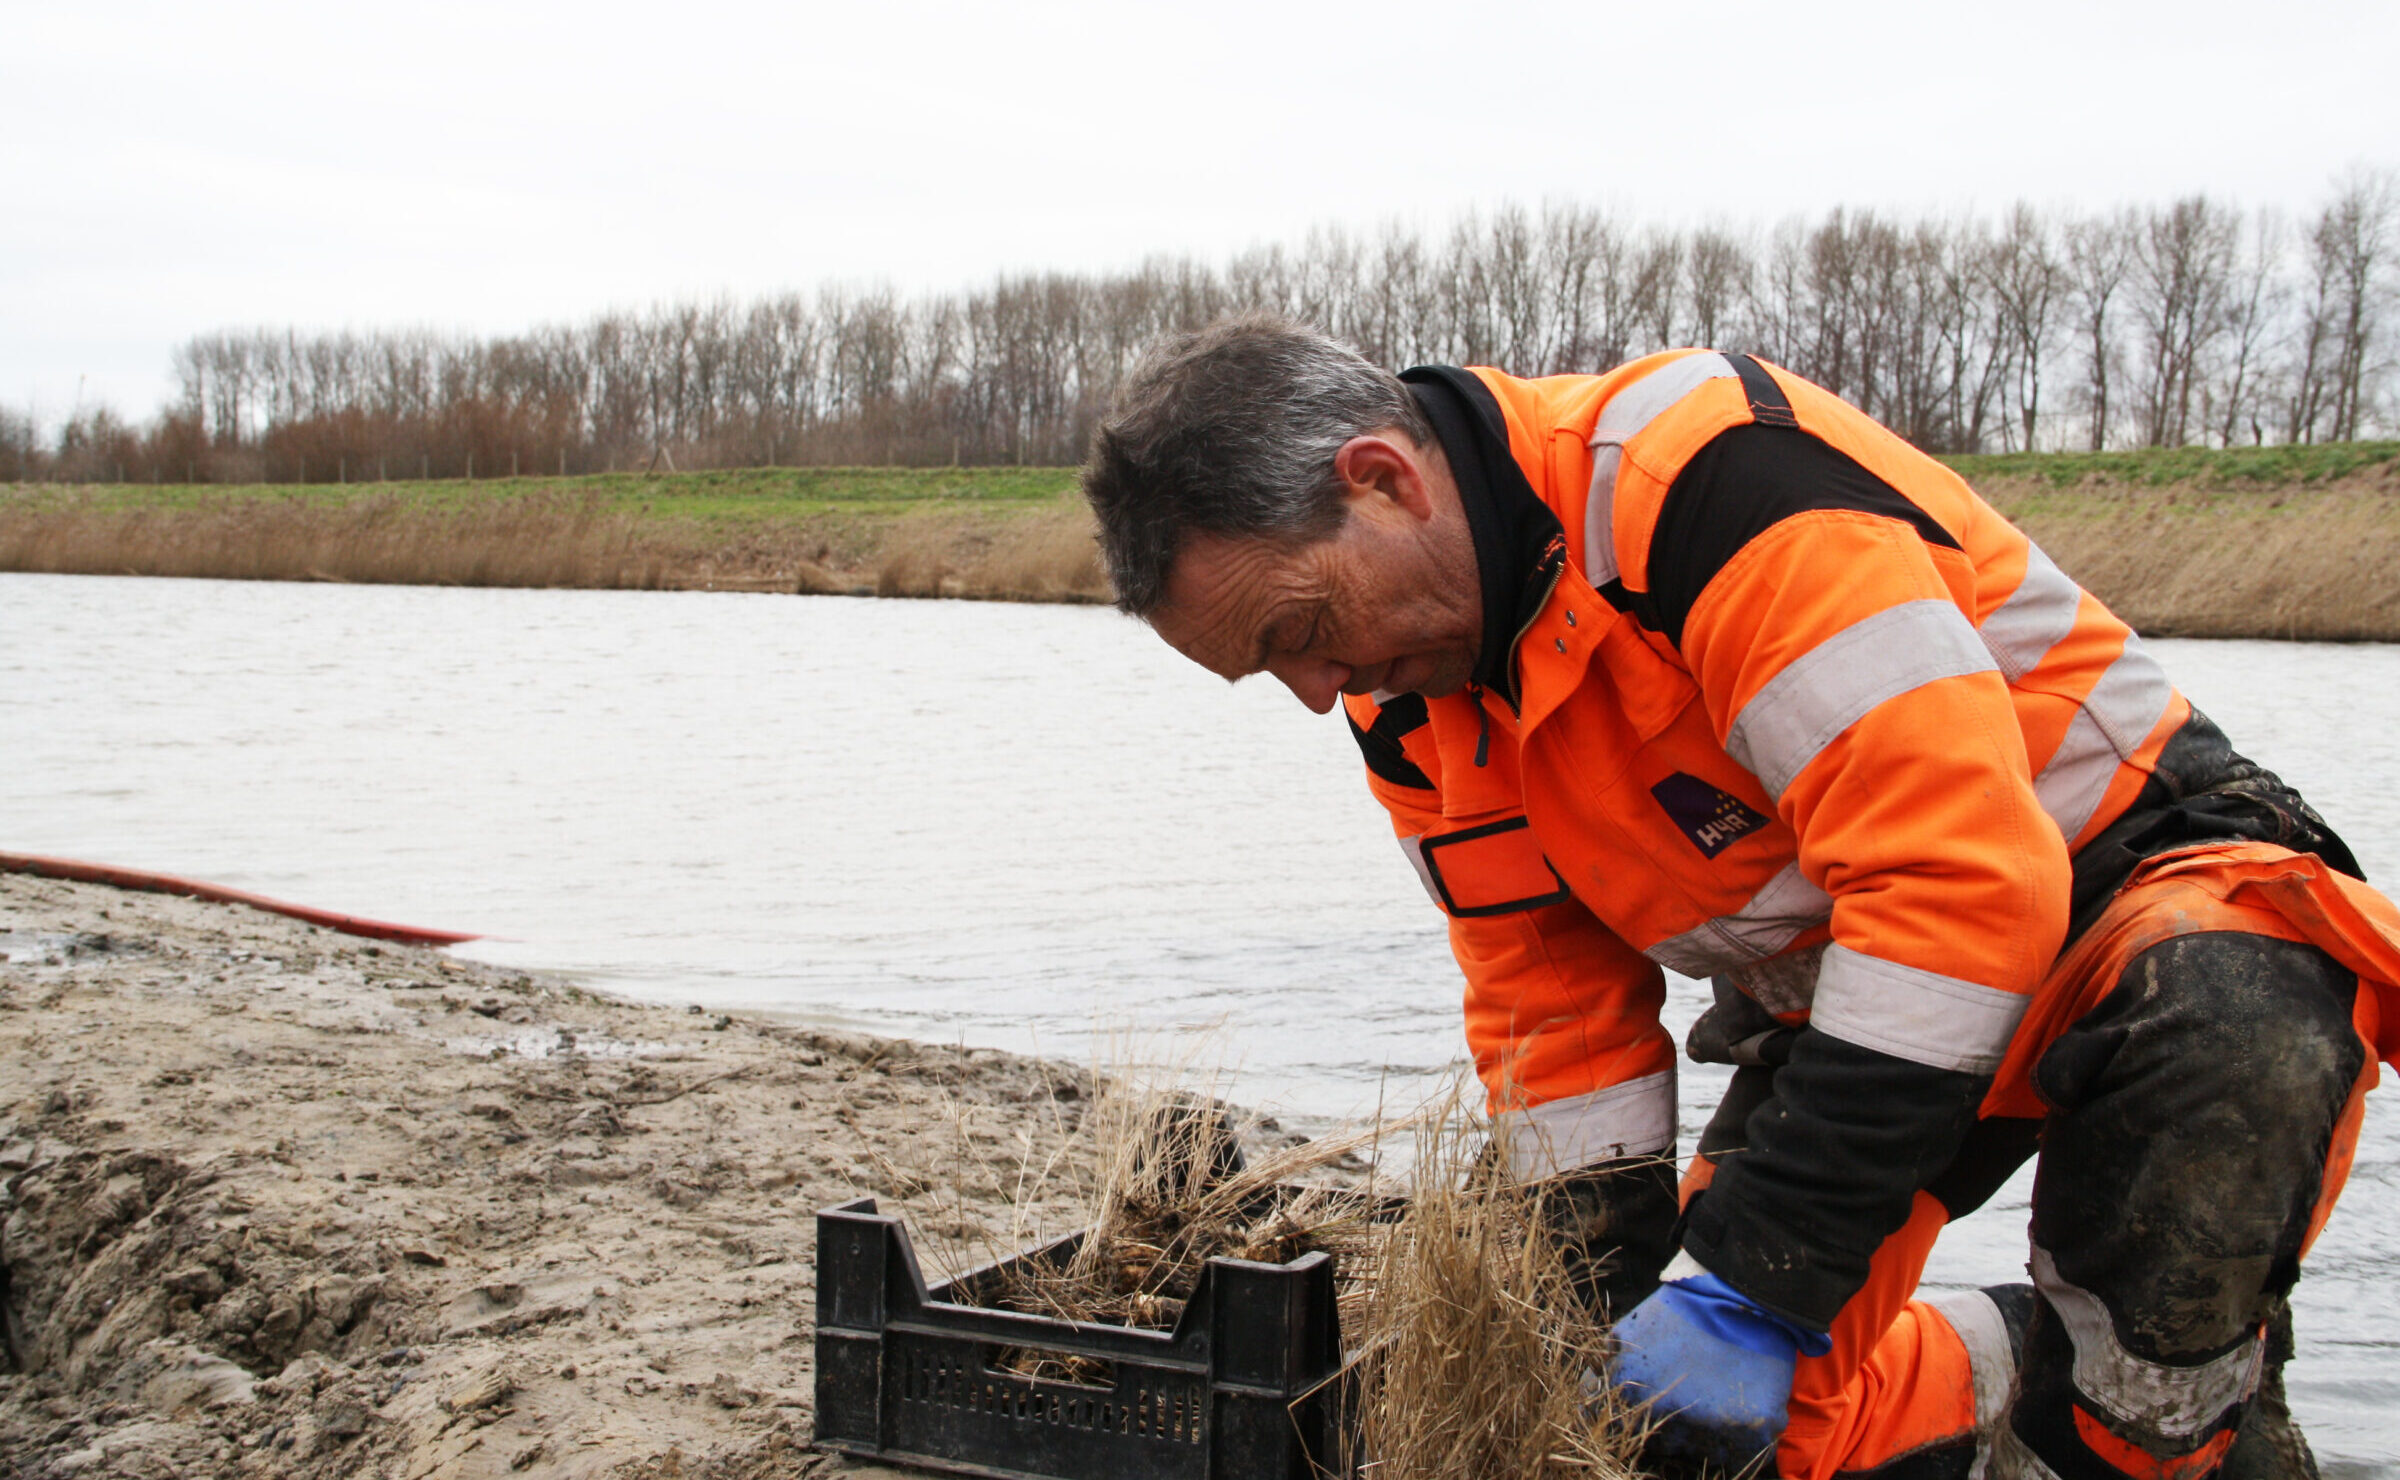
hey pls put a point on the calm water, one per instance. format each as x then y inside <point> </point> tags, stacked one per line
<point>1006,825</point>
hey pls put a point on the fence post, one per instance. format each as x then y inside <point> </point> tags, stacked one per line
<point>425,467</point>
<point>470,467</point>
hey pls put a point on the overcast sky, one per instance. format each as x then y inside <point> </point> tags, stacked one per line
<point>172,169</point>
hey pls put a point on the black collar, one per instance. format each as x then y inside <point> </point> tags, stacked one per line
<point>1518,541</point>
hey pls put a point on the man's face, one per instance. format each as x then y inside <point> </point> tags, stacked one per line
<point>1379,605</point>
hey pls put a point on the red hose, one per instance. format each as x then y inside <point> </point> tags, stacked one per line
<point>128,878</point>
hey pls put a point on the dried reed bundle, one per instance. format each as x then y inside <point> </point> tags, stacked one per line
<point>1474,1358</point>
<point>1171,1190</point>
<point>1470,1354</point>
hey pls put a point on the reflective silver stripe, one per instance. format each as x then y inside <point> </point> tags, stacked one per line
<point>1627,412</point>
<point>1637,405</point>
<point>2177,1404</point>
<point>1983,1331</point>
<point>2077,777</point>
<point>1786,905</point>
<point>2011,1460</point>
<point>1830,687</point>
<point>1921,1016</point>
<point>1636,1118</point>
<point>1781,984</point>
<point>2117,716</point>
<point>2034,619</point>
<point>1600,516</point>
<point>2130,698</point>
<point>1414,847</point>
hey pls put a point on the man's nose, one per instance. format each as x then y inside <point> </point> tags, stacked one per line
<point>1315,682</point>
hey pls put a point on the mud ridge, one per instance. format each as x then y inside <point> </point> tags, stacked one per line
<point>275,1201</point>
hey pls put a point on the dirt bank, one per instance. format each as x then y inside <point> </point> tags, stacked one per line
<point>282,1202</point>
<point>1005,549</point>
<point>2318,562</point>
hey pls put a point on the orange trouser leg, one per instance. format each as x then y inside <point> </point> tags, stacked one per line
<point>1899,1377</point>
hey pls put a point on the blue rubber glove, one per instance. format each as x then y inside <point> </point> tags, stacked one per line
<point>1717,1369</point>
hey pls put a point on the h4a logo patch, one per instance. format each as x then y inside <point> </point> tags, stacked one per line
<point>1713,818</point>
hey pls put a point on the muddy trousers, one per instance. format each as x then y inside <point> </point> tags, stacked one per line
<point>2202,1115</point>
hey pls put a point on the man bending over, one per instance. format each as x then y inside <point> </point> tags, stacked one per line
<point>1691,665</point>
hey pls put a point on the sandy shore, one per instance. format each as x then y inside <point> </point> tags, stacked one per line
<point>284,1202</point>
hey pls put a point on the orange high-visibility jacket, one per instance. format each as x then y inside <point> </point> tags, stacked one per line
<point>1769,696</point>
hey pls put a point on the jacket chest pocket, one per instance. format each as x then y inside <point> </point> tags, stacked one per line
<point>1483,858</point>
<point>1633,701</point>
<point>1662,833</point>
<point>1650,687</point>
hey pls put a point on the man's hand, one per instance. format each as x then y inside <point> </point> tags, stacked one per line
<point>1716,1369</point>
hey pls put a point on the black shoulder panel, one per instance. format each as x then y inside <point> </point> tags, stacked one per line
<point>1769,406</point>
<point>1381,744</point>
<point>1745,481</point>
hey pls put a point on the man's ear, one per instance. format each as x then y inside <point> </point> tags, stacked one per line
<point>1385,465</point>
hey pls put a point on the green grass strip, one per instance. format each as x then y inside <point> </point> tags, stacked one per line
<point>2152,467</point>
<point>747,496</point>
<point>717,496</point>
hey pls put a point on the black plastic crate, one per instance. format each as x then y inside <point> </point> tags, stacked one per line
<point>1242,1389</point>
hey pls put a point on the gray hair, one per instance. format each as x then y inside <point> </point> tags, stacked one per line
<point>1232,431</point>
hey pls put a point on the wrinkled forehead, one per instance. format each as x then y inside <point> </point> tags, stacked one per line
<point>1224,595</point>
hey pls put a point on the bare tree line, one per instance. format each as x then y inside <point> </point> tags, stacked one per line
<point>2193,322</point>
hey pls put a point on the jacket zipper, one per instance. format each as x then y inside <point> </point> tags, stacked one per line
<point>1483,735</point>
<point>1558,569</point>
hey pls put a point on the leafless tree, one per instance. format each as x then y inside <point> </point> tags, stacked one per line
<point>2181,265</point>
<point>2351,253</point>
<point>1717,278</point>
<point>2100,255</point>
<point>1653,300</point>
<point>2028,280</point>
<point>22,455</point>
<point>2252,301</point>
<point>2188,321</point>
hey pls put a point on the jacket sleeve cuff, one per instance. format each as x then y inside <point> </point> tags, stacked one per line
<point>1738,1261</point>
<point>1682,1267</point>
<point>1734,1316</point>
<point>1835,1159</point>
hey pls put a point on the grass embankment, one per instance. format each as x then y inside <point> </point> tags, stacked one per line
<point>2245,542</point>
<point>1000,533</point>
